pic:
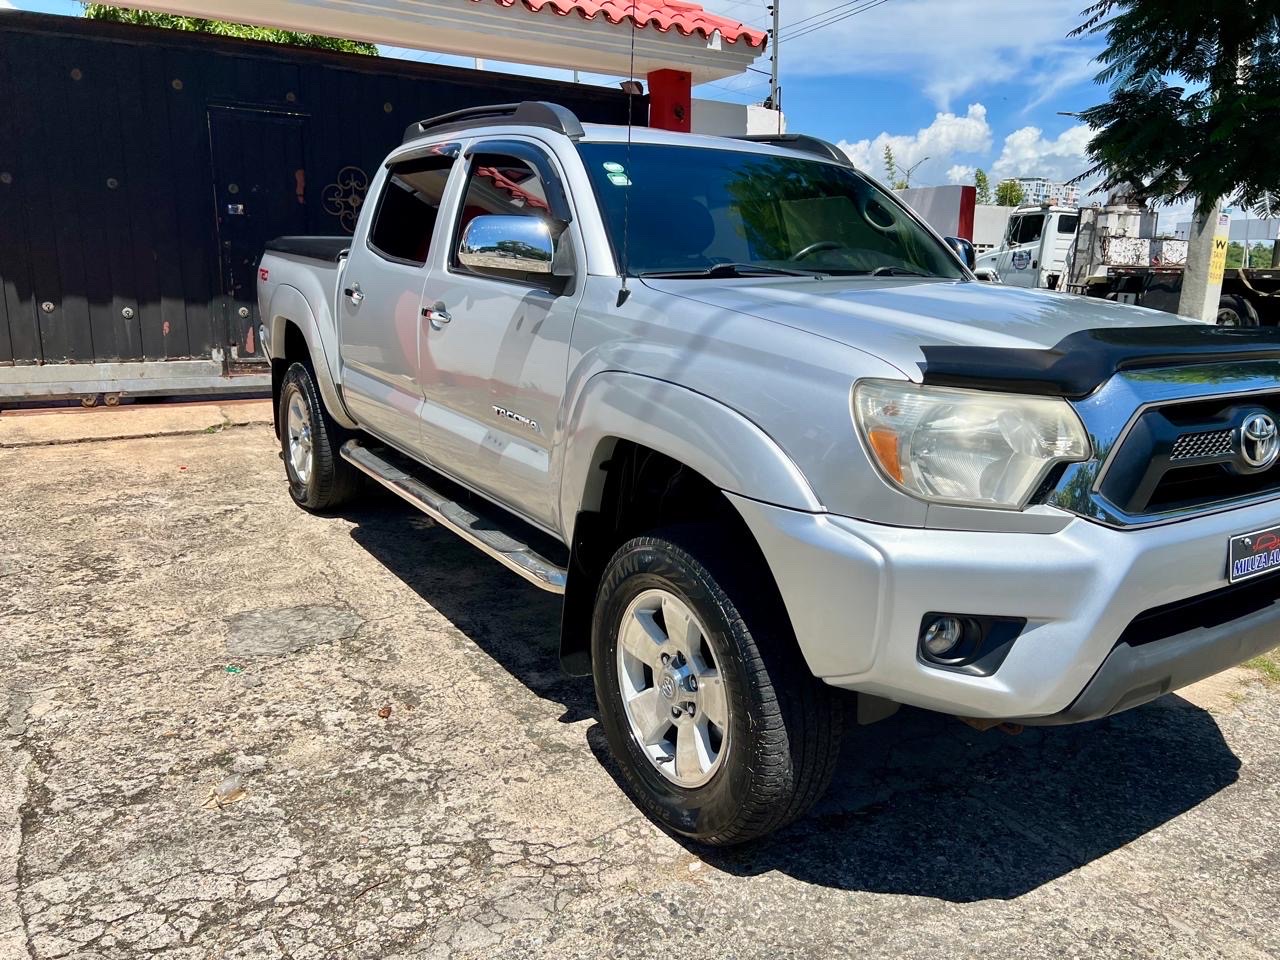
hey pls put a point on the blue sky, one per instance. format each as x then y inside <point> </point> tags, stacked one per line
<point>965,84</point>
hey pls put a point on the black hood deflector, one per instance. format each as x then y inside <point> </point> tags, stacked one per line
<point>1082,361</point>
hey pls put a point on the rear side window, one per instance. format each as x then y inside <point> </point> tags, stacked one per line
<point>407,209</point>
<point>1068,224</point>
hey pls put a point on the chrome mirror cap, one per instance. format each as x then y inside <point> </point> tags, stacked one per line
<point>505,244</point>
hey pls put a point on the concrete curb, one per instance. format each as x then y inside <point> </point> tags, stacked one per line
<point>128,423</point>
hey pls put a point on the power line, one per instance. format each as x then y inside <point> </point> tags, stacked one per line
<point>865,5</point>
<point>823,13</point>
<point>834,20</point>
<point>805,31</point>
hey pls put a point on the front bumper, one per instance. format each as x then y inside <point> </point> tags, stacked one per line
<point>856,593</point>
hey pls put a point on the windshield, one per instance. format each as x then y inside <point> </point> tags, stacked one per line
<point>695,211</point>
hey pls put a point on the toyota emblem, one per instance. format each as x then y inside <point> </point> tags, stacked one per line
<point>1259,441</point>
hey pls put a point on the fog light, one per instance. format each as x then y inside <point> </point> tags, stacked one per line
<point>942,636</point>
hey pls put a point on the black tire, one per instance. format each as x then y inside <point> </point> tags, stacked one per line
<point>1236,311</point>
<point>784,725</point>
<point>330,481</point>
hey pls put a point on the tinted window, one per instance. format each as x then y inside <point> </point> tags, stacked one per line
<point>1030,229</point>
<point>1068,224</point>
<point>501,185</point>
<point>691,208</point>
<point>408,208</point>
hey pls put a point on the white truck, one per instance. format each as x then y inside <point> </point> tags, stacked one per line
<point>1033,252</point>
<point>1114,252</point>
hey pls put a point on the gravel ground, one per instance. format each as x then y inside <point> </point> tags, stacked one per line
<point>417,779</point>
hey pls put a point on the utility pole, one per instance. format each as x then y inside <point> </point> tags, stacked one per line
<point>1206,260</point>
<point>773,60</point>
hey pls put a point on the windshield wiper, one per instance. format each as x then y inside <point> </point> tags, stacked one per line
<point>898,272</point>
<point>730,271</point>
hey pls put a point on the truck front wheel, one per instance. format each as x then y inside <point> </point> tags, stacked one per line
<point>319,479</point>
<point>722,733</point>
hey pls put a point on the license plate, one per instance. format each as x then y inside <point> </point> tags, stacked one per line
<point>1253,554</point>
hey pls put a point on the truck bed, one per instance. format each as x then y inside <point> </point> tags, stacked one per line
<point>326,249</point>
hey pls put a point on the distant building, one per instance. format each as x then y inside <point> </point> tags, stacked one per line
<point>1042,190</point>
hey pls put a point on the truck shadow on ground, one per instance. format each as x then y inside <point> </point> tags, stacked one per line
<point>921,804</point>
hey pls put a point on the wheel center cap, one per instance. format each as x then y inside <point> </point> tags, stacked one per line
<point>667,686</point>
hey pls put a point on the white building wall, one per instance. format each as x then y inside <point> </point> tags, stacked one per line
<point>989,224</point>
<point>715,118</point>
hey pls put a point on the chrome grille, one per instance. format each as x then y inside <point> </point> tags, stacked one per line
<point>1211,443</point>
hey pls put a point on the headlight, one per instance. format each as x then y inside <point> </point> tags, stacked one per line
<point>966,446</point>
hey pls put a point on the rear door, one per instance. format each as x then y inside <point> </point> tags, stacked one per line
<point>493,373</point>
<point>380,293</point>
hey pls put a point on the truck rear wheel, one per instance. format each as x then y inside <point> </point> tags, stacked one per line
<point>319,479</point>
<point>1236,311</point>
<point>722,733</point>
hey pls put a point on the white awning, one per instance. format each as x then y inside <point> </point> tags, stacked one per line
<point>571,34</point>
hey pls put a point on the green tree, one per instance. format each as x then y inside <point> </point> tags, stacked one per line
<point>1009,193</point>
<point>892,175</point>
<point>100,11</point>
<point>1194,102</point>
<point>983,184</point>
<point>1235,255</point>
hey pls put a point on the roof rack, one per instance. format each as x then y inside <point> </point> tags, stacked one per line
<point>532,113</point>
<point>801,142</point>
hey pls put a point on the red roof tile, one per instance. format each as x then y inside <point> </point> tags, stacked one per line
<point>687,18</point>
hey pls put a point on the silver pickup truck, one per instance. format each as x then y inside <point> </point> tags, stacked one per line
<point>772,441</point>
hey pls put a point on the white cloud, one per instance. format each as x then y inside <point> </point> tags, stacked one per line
<point>1028,153</point>
<point>939,142</point>
<point>1002,48</point>
<point>959,173</point>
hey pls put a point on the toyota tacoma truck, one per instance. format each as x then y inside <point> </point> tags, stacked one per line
<point>770,439</point>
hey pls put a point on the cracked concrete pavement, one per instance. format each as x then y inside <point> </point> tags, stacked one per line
<point>168,619</point>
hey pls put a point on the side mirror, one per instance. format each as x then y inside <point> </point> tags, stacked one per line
<point>964,251</point>
<point>507,245</point>
<point>988,274</point>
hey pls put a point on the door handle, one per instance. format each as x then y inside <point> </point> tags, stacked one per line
<point>354,294</point>
<point>437,314</point>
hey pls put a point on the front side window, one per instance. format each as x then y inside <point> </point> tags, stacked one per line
<point>407,209</point>
<point>1030,229</point>
<point>691,209</point>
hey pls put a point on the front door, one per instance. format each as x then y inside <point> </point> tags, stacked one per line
<point>1019,262</point>
<point>259,194</point>
<point>495,345</point>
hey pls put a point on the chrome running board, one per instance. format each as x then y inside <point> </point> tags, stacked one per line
<point>481,532</point>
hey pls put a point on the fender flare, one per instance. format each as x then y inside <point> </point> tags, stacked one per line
<point>289,305</point>
<point>722,445</point>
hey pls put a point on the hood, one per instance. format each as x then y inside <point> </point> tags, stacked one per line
<point>893,317</point>
<point>915,324</point>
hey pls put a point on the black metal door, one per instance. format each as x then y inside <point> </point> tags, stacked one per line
<point>259,188</point>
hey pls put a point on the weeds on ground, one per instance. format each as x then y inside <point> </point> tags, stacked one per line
<point>1268,665</point>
